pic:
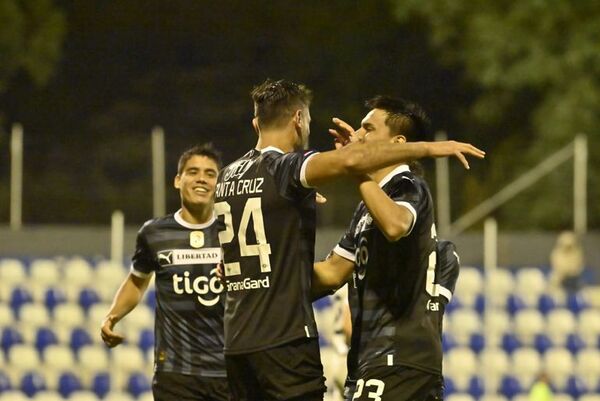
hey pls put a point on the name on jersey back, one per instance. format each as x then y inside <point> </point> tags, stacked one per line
<point>240,187</point>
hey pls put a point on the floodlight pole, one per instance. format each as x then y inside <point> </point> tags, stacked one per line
<point>16,177</point>
<point>580,160</point>
<point>158,172</point>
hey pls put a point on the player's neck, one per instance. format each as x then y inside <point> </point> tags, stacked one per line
<point>380,174</point>
<point>281,139</point>
<point>200,216</point>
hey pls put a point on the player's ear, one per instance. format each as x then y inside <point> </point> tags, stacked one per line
<point>177,181</point>
<point>298,117</point>
<point>399,139</point>
<point>255,125</point>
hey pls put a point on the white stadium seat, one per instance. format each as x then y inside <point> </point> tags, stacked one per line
<point>83,395</point>
<point>34,315</point>
<point>559,365</point>
<point>460,363</point>
<point>6,315</point>
<point>78,271</point>
<point>47,396</point>
<point>526,364</point>
<point>494,397</point>
<point>469,285</point>
<point>459,397</point>
<point>69,315</point>
<point>589,325</point>
<point>44,271</point>
<point>528,323</point>
<point>502,285</point>
<point>127,358</point>
<point>23,358</point>
<point>118,396</point>
<point>58,358</point>
<point>588,366</point>
<point>560,323</point>
<point>14,395</point>
<point>494,361</point>
<point>530,284</point>
<point>12,272</point>
<point>463,323</point>
<point>93,358</point>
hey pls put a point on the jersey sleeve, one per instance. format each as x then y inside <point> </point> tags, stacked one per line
<point>289,173</point>
<point>143,263</point>
<point>406,192</point>
<point>449,267</point>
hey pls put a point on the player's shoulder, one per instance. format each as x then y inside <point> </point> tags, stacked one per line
<point>157,223</point>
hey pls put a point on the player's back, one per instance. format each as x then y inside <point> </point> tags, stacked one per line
<point>268,249</point>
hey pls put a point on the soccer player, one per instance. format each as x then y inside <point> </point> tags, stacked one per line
<point>399,288</point>
<point>267,202</point>
<point>182,250</point>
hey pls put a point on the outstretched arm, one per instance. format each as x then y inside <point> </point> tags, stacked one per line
<point>127,297</point>
<point>360,157</point>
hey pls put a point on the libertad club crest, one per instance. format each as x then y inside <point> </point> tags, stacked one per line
<point>196,239</point>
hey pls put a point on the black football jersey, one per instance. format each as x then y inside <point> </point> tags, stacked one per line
<point>268,247</point>
<point>395,301</point>
<point>189,296</point>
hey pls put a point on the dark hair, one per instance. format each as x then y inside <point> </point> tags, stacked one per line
<point>275,101</point>
<point>404,117</point>
<point>206,150</point>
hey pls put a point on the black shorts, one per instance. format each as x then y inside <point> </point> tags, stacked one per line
<point>167,386</point>
<point>290,372</point>
<point>394,383</point>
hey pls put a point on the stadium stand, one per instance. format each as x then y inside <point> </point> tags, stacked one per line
<point>495,348</point>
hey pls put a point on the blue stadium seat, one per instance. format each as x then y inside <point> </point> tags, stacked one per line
<point>477,343</point>
<point>476,387</point>
<point>101,384</point>
<point>10,337</point>
<point>514,304</point>
<point>45,337</point>
<point>510,386</point>
<point>68,383</point>
<point>449,386</point>
<point>54,297</point>
<point>448,342</point>
<point>138,384</point>
<point>146,340</point>
<point>32,382</point>
<point>151,298</point>
<point>575,387</point>
<point>510,342</point>
<point>454,304</point>
<point>546,303</point>
<point>480,304</point>
<point>79,338</point>
<point>576,302</point>
<point>542,343</point>
<point>5,384</point>
<point>19,297</point>
<point>87,298</point>
<point>574,343</point>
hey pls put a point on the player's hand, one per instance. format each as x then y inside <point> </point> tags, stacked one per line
<point>110,338</point>
<point>221,273</point>
<point>320,199</point>
<point>458,149</point>
<point>343,133</point>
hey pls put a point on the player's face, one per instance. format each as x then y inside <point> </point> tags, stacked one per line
<point>373,127</point>
<point>197,181</point>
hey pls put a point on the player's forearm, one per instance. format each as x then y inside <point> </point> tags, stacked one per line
<point>393,220</point>
<point>363,158</point>
<point>128,296</point>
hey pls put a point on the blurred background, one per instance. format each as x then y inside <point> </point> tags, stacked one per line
<point>88,81</point>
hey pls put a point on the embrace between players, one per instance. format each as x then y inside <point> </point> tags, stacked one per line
<point>254,337</point>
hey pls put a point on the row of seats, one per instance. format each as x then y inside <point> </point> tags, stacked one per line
<point>68,384</point>
<point>83,395</point>
<point>521,397</point>
<point>558,325</point>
